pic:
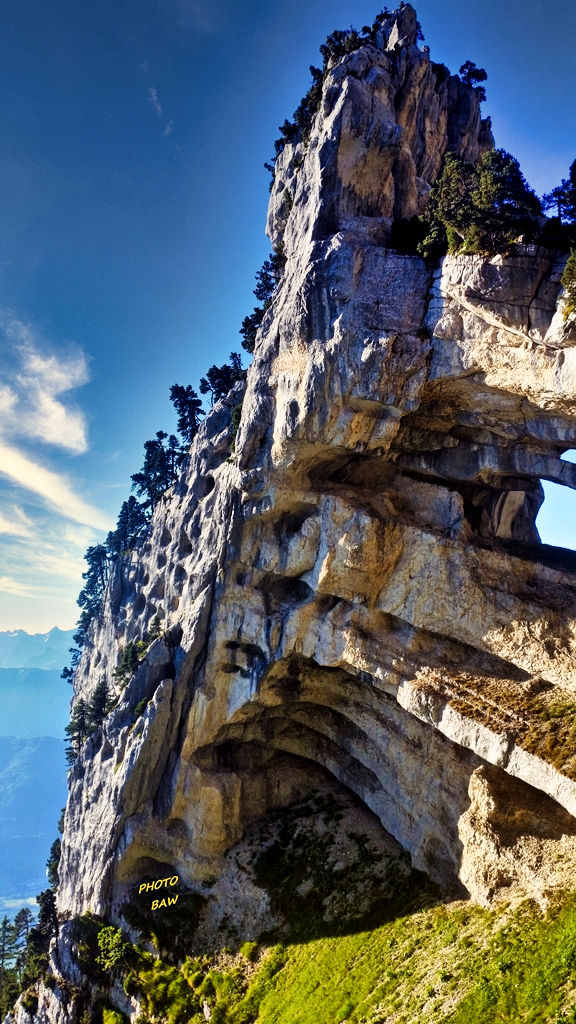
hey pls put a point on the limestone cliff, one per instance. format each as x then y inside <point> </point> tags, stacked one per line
<point>354,600</point>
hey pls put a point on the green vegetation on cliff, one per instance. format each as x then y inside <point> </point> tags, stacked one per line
<point>431,964</point>
<point>569,284</point>
<point>480,208</point>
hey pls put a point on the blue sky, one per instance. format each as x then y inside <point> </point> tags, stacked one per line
<point>132,203</point>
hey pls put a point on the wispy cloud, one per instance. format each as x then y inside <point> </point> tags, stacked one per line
<point>42,571</point>
<point>11,586</point>
<point>45,522</point>
<point>31,402</point>
<point>33,380</point>
<point>154,101</point>
<point>168,126</point>
<point>15,523</point>
<point>53,487</point>
<point>206,16</point>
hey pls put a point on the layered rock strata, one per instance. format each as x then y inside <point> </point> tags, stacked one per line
<point>355,598</point>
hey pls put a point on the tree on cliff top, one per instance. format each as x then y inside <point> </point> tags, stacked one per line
<point>480,208</point>
<point>563,197</point>
<point>473,75</point>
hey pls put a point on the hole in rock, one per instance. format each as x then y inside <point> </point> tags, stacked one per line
<point>286,590</point>
<point>291,522</point>
<point>138,869</point>
<point>180,574</point>
<point>205,485</point>
<point>185,547</point>
<point>556,522</point>
<point>157,590</point>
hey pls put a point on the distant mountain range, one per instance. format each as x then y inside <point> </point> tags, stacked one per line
<point>34,710</point>
<point>35,650</point>
<point>32,792</point>
<point>33,702</point>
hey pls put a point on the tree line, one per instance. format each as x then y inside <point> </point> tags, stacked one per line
<point>25,943</point>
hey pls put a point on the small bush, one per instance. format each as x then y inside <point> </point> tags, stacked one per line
<point>569,284</point>
<point>111,1016</point>
<point>249,951</point>
<point>141,706</point>
<point>29,1001</point>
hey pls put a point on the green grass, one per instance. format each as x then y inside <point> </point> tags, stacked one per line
<point>443,964</point>
<point>394,952</point>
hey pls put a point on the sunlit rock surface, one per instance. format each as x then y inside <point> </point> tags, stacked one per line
<point>355,598</point>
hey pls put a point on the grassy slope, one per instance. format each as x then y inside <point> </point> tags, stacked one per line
<point>454,962</point>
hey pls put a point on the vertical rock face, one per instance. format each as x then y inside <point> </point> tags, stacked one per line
<point>356,598</point>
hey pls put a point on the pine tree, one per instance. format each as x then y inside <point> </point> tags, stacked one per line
<point>189,409</point>
<point>220,379</point>
<point>480,208</point>
<point>9,987</point>
<point>96,577</point>
<point>472,75</point>
<point>52,864</point>
<point>77,730</point>
<point>563,198</point>
<point>159,469</point>
<point>22,924</point>
<point>504,205</point>
<point>23,921</point>
<point>569,284</point>
<point>267,280</point>
<point>250,325</point>
<point>268,277</point>
<point>450,204</point>
<point>99,705</point>
<point>8,944</point>
<point>69,670</point>
<point>131,520</point>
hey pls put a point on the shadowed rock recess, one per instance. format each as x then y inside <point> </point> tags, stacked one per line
<point>355,603</point>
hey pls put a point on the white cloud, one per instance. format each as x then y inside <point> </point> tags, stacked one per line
<point>32,409</point>
<point>30,401</point>
<point>79,536</point>
<point>52,487</point>
<point>8,400</point>
<point>154,101</point>
<point>51,372</point>
<point>15,524</point>
<point>51,422</point>
<point>11,586</point>
<point>168,128</point>
<point>43,572</point>
<point>45,523</point>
